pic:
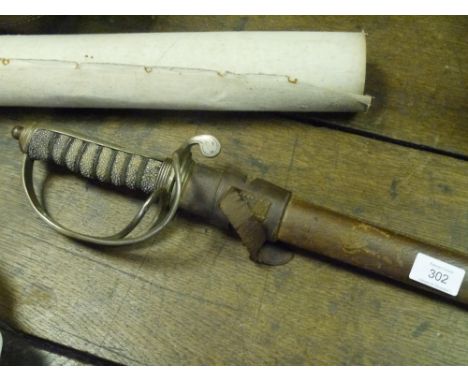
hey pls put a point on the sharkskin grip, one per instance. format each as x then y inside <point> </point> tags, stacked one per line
<point>95,161</point>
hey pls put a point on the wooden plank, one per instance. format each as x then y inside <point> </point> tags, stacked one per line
<point>191,296</point>
<point>415,67</point>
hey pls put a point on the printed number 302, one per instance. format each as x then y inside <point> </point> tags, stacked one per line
<point>438,276</point>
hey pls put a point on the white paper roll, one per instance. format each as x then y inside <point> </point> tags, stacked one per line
<point>251,71</point>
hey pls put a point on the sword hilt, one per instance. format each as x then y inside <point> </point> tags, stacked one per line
<point>90,159</point>
<point>163,179</point>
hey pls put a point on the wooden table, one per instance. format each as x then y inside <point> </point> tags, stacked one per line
<point>191,295</point>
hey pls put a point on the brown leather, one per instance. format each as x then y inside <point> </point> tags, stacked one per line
<point>249,228</point>
<point>354,242</point>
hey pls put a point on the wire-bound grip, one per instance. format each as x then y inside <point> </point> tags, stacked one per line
<point>162,179</point>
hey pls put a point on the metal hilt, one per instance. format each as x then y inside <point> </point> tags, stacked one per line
<point>163,180</point>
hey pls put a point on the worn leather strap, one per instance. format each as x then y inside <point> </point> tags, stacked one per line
<point>244,212</point>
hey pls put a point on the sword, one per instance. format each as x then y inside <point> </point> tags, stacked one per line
<point>257,210</point>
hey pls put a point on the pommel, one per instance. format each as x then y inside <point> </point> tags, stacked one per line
<point>16,131</point>
<point>23,135</point>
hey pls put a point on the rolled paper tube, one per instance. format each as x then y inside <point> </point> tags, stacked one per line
<point>248,71</point>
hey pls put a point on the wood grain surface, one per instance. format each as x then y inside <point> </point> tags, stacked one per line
<point>191,295</point>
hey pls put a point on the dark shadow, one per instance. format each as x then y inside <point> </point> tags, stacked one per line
<point>17,352</point>
<point>13,352</point>
<point>75,24</point>
<point>22,349</point>
<point>7,308</point>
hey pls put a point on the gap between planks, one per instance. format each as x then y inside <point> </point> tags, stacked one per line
<point>320,123</point>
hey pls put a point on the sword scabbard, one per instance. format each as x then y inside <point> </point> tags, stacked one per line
<point>354,242</point>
